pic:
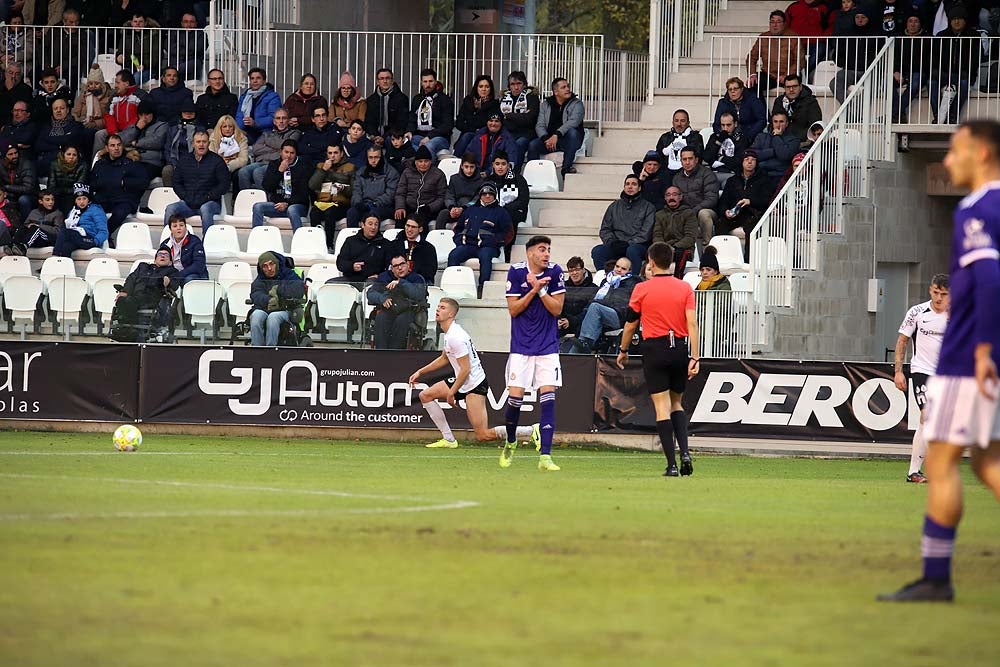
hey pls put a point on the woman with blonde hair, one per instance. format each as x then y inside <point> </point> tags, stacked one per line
<point>230,143</point>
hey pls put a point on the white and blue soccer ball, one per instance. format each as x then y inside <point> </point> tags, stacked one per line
<point>127,438</point>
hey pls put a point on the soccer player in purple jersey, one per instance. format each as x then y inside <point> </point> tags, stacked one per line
<point>535,294</point>
<point>962,398</point>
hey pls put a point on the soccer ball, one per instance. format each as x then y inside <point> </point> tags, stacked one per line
<point>127,438</point>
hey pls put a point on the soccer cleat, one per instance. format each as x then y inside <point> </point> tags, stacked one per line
<point>686,468</point>
<point>921,590</point>
<point>507,455</point>
<point>545,464</point>
<point>536,437</point>
<point>443,444</point>
<point>916,478</point>
<point>671,471</point>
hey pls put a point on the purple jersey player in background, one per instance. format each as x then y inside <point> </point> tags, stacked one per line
<point>962,398</point>
<point>535,293</point>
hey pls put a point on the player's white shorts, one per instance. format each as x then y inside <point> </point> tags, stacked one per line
<point>958,414</point>
<point>532,372</point>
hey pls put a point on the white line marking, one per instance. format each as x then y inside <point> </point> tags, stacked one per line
<point>417,453</point>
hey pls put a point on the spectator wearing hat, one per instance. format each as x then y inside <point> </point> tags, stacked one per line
<point>480,233</point>
<point>421,188</point>
<point>490,140</point>
<point>744,198</point>
<point>18,178</point>
<point>627,227</point>
<point>170,95</point>
<point>653,179</point>
<point>179,140</point>
<point>277,294</point>
<point>519,105</point>
<point>147,137</point>
<point>187,252</point>
<point>85,227</point>
<point>954,66</point>
<point>513,195</point>
<point>347,105</point>
<point>477,107</point>
<point>711,278</point>
<point>463,190</point>
<point>724,148</point>
<point>92,103</point>
<point>200,180</point>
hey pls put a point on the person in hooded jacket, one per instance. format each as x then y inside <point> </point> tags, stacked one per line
<point>801,106</point>
<point>421,188</point>
<point>374,189</point>
<point>462,191</point>
<point>356,144</point>
<point>489,141</point>
<point>92,102</point>
<point>748,110</point>
<point>170,96</point>
<point>654,179</point>
<point>256,106</point>
<point>520,106</point>
<point>179,140</point>
<point>480,233</point>
<point>386,108</point>
<point>680,136</point>
<point>477,107</point>
<point>744,199</point>
<point>347,104</point>
<point>217,100</point>
<point>187,252</point>
<point>559,126</point>
<point>303,102</point>
<point>432,115</point>
<point>85,226</point>
<point>627,227</point>
<point>512,194</point>
<point>276,288</point>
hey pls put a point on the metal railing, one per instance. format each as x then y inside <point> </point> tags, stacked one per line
<point>253,14</point>
<point>674,27</point>
<point>724,323</point>
<point>812,199</point>
<point>625,77</point>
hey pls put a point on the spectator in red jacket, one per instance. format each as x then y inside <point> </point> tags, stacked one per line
<point>810,19</point>
<point>124,109</point>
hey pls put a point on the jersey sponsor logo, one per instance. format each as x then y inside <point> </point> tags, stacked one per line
<point>976,235</point>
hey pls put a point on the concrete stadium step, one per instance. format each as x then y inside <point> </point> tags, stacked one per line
<point>625,143</point>
<point>610,184</point>
<point>609,166</point>
<point>563,247</point>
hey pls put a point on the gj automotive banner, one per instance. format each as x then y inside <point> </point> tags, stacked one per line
<point>325,387</point>
<point>760,398</point>
<point>68,381</point>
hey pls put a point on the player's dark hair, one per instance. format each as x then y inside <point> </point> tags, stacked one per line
<point>451,303</point>
<point>793,77</point>
<point>730,114</point>
<point>575,263</point>
<point>555,82</point>
<point>257,70</point>
<point>985,130</point>
<point>941,281</point>
<point>538,240</point>
<point>661,255</point>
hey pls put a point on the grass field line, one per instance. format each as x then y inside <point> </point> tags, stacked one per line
<point>294,454</point>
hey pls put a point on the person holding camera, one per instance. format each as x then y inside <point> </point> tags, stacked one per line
<point>277,293</point>
<point>397,294</point>
<point>744,199</point>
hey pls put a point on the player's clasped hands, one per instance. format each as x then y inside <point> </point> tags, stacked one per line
<point>536,282</point>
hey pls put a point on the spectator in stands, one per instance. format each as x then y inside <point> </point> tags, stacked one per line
<point>139,51</point>
<point>256,106</point>
<point>14,90</point>
<point>93,101</point>
<point>42,227</point>
<point>123,111</point>
<point>580,290</point>
<point>559,126</point>
<point>122,12</point>
<point>513,195</point>
<point>303,102</point>
<point>18,178</point>
<point>477,107</point>
<point>200,180</point>
<point>480,233</point>
<point>627,227</point>
<point>519,105</point>
<point>725,147</point>
<point>670,144</point>
<point>989,17</point>
<point>854,56</point>
<point>744,199</point>
<point>777,53</point>
<point>432,115</point>
<point>47,15</point>
<point>653,179</point>
<point>711,278</point>
<point>397,295</point>
<point>677,226</point>
<point>801,106</point>
<point>11,233</point>
<point>312,145</point>
<point>609,308</point>
<point>170,95</point>
<point>776,147</point>
<point>187,48</point>
<point>230,143</point>
<point>356,144</point>
<point>277,294</point>
<point>59,132</point>
<point>19,43</point>
<point>85,227</point>
<point>266,149</point>
<point>147,136</point>
<point>893,19</point>
<point>747,110</point>
<point>386,108</point>
<point>187,252</point>
<point>842,20</point>
<point>217,101</point>
<point>330,183</point>
<point>700,188</point>
<point>463,190</point>
<point>399,151</point>
<point>71,50</point>
<point>118,181</point>
<point>148,287</point>
<point>417,250</point>
<point>374,189</point>
<point>810,19</point>
<point>955,65</point>
<point>362,257</point>
<point>66,170</point>
<point>909,72</point>
<point>49,90</point>
<point>421,188</point>
<point>489,141</point>
<point>347,104</point>
<point>179,140</point>
<point>21,131</point>
<point>800,192</point>
<point>286,182</point>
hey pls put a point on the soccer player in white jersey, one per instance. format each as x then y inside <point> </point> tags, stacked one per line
<point>535,293</point>
<point>924,324</point>
<point>468,384</point>
<point>962,397</point>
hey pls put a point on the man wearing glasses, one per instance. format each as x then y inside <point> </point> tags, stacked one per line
<point>412,245</point>
<point>323,133</point>
<point>387,108</point>
<point>397,293</point>
<point>217,101</point>
<point>801,106</point>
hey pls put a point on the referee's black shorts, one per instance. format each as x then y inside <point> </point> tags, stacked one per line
<point>665,367</point>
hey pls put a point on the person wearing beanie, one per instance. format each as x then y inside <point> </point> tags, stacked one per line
<point>374,188</point>
<point>490,140</point>
<point>277,294</point>
<point>627,227</point>
<point>462,191</point>
<point>421,189</point>
<point>303,102</point>
<point>179,140</point>
<point>480,233</point>
<point>347,104</point>
<point>168,97</point>
<point>513,195</point>
<point>859,54</point>
<point>654,179</point>
<point>955,65</point>
<point>85,227</point>
<point>711,277</point>
<point>477,107</point>
<point>92,103</point>
<point>147,136</point>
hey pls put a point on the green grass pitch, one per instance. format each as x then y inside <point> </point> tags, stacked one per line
<point>242,551</point>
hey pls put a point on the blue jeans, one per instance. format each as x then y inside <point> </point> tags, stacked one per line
<point>357,214</point>
<point>294,213</point>
<point>598,319</point>
<point>569,144</point>
<point>434,144</point>
<point>251,176</point>
<point>259,320</point>
<point>485,254</point>
<point>901,101</point>
<point>463,142</point>
<point>69,240</point>
<point>207,212</point>
<point>520,150</point>
<point>955,109</point>
<point>605,252</point>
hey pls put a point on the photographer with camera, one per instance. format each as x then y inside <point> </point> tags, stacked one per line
<point>150,286</point>
<point>399,296</point>
<point>278,294</point>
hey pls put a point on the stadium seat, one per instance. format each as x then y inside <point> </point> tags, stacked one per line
<point>90,253</point>
<point>159,200</point>
<point>730,254</point>
<point>263,239</point>
<point>135,265</point>
<point>20,298</point>
<point>342,236</point>
<point>222,243</point>
<point>54,267</point>
<point>598,277</point>
<point>706,134</point>
<point>692,279</point>
<point>309,245</point>
<point>853,146</point>
<point>777,253</point>
<point>165,233</point>
<point>459,282</point>
<point>541,176</point>
<point>109,67</point>
<point>200,299</point>
<point>741,285</point>
<point>12,265</point>
<point>133,242</point>
<point>823,74</point>
<point>334,303</point>
<point>40,253</point>
<point>101,267</point>
<point>391,234</point>
<point>443,241</point>
<point>434,296</point>
<point>232,272</point>
<point>66,296</point>
<point>237,294</point>
<point>105,296</point>
<point>318,274</point>
<point>242,215</point>
<point>450,166</point>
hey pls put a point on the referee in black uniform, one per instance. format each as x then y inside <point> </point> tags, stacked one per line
<point>665,307</point>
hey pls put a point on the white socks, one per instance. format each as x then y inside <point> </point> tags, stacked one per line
<point>521,432</point>
<point>918,451</point>
<point>437,416</point>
